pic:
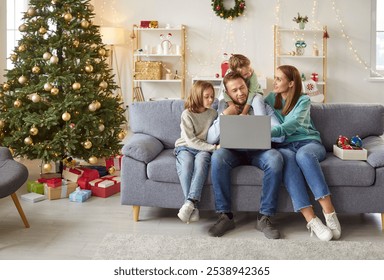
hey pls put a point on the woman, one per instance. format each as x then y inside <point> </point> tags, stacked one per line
<point>302,152</point>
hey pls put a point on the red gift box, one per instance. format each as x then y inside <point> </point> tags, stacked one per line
<point>113,161</point>
<point>87,176</point>
<point>54,182</point>
<point>105,186</point>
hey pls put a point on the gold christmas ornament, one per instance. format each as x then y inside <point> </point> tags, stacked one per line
<point>92,107</point>
<point>92,160</point>
<point>47,56</point>
<point>47,86</point>
<point>35,69</point>
<point>68,17</point>
<point>101,127</point>
<point>98,105</point>
<point>54,2</point>
<point>17,103</point>
<point>76,86</point>
<point>103,84</point>
<point>22,27</point>
<point>87,144</point>
<point>13,57</point>
<point>33,130</point>
<point>101,52</point>
<point>35,98</point>
<point>76,43</point>
<point>84,23</point>
<point>42,30</point>
<point>31,12</point>
<point>22,48</point>
<point>47,167</point>
<point>55,91</point>
<point>54,59</point>
<point>111,170</point>
<point>121,135</point>
<point>28,141</point>
<point>22,80</point>
<point>89,68</point>
<point>91,8</point>
<point>6,87</point>
<point>93,46</point>
<point>66,116</point>
<point>2,123</point>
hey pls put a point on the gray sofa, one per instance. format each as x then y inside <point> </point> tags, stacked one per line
<point>149,175</point>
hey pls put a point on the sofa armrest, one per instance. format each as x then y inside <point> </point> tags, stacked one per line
<point>142,147</point>
<point>375,147</point>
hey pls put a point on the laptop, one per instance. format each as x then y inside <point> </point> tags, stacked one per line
<point>245,132</point>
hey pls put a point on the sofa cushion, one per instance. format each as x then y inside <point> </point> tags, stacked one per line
<point>142,147</point>
<point>351,119</point>
<point>339,172</point>
<point>375,147</point>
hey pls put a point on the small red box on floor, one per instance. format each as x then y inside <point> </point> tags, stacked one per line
<point>105,186</point>
<point>87,176</point>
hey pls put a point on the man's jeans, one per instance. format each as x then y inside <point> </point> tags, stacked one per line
<point>192,167</point>
<point>301,167</point>
<point>224,160</point>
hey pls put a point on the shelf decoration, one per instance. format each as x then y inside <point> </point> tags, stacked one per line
<point>300,47</point>
<point>301,20</point>
<point>221,11</point>
<point>166,44</point>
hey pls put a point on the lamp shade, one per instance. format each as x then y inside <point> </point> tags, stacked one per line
<point>112,35</point>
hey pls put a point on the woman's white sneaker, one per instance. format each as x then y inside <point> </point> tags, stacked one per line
<point>185,211</point>
<point>333,223</point>
<point>322,232</point>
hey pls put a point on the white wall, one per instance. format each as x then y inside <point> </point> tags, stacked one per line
<point>209,36</point>
<point>3,36</point>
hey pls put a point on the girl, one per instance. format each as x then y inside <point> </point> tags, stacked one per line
<point>302,152</point>
<point>193,153</point>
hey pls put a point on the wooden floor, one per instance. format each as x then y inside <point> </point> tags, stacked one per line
<point>67,230</point>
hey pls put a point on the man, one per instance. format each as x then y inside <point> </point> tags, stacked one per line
<point>224,160</point>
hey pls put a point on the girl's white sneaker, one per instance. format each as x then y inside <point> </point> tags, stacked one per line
<point>333,223</point>
<point>322,232</point>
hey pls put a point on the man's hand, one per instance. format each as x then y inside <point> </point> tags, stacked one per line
<point>233,110</point>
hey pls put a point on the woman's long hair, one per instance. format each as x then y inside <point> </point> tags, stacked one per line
<point>292,74</point>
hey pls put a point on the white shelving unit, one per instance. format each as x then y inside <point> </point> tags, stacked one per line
<point>311,61</point>
<point>147,46</point>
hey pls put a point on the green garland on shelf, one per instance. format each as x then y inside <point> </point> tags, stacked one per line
<point>237,10</point>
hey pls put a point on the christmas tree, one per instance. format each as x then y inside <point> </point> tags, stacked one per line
<point>60,98</point>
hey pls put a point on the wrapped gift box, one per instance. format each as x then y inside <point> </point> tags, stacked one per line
<point>80,195</point>
<point>350,154</point>
<point>32,197</point>
<point>105,186</point>
<point>113,161</point>
<point>60,192</point>
<point>35,187</point>
<point>148,70</point>
<point>101,169</point>
<point>50,175</point>
<point>54,182</point>
<point>72,174</point>
<point>87,176</point>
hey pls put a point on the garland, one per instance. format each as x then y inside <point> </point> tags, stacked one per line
<point>237,10</point>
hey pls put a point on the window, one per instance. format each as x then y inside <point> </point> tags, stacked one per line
<point>377,42</point>
<point>15,8</point>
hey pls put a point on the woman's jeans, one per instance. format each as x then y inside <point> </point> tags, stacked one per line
<point>301,167</point>
<point>224,160</point>
<point>192,167</point>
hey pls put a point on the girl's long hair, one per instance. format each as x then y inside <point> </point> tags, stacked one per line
<point>195,99</point>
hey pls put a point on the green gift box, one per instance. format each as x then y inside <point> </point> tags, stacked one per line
<point>35,187</point>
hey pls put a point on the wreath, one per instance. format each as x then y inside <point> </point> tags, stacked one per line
<point>237,10</point>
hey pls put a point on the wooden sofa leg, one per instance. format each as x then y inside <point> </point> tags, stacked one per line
<point>382,221</point>
<point>136,212</point>
<point>21,212</point>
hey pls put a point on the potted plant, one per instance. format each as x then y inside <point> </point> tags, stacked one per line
<point>301,20</point>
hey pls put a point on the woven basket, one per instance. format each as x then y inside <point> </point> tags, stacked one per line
<point>148,70</point>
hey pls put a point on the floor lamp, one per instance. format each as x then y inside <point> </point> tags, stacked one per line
<point>112,36</point>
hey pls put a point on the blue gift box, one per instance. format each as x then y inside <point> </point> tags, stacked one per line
<point>80,195</point>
